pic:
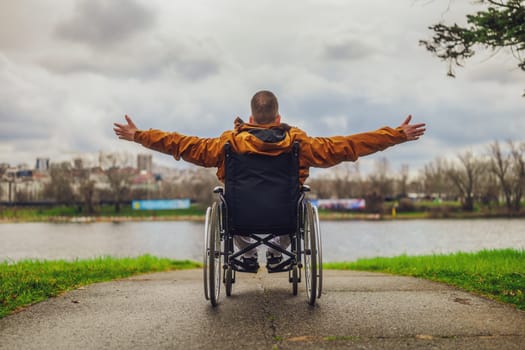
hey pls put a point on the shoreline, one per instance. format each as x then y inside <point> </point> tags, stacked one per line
<point>334,216</point>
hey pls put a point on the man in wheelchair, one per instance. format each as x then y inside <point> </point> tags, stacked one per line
<point>264,164</point>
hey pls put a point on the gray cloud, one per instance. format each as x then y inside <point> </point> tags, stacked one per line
<point>188,59</point>
<point>334,113</point>
<point>17,125</point>
<point>502,74</point>
<point>347,49</point>
<point>102,23</point>
<point>197,69</point>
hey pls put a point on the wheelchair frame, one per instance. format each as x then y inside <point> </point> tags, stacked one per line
<point>219,254</point>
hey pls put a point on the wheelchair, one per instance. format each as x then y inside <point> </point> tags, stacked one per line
<point>262,199</point>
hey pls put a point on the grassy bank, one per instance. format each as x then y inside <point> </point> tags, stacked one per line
<point>107,213</point>
<point>29,214</point>
<point>28,282</point>
<point>497,274</point>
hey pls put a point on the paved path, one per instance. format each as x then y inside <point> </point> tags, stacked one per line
<point>358,310</point>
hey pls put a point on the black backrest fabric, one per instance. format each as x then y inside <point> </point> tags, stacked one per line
<point>262,192</point>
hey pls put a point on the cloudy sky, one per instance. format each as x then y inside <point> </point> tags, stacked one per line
<point>69,69</point>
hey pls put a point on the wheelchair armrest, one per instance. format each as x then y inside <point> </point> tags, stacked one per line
<point>218,189</point>
<point>305,188</point>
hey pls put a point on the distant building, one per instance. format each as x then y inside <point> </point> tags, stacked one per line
<point>78,163</point>
<point>144,162</point>
<point>42,164</point>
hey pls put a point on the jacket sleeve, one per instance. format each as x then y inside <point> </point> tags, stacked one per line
<point>329,151</point>
<point>200,151</point>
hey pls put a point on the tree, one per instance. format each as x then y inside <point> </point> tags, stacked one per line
<point>119,183</point>
<point>87,191</point>
<point>60,187</point>
<point>403,180</point>
<point>119,176</point>
<point>466,178</point>
<point>509,168</point>
<point>380,180</point>
<point>434,178</point>
<point>489,189</point>
<point>500,25</point>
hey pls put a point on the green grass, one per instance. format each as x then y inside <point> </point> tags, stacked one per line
<point>35,214</point>
<point>497,274</point>
<point>30,281</point>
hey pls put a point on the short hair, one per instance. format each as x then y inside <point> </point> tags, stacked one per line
<point>264,107</point>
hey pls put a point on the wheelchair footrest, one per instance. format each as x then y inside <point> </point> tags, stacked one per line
<point>240,267</point>
<point>285,266</point>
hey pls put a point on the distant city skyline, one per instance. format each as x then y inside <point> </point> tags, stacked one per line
<point>69,69</point>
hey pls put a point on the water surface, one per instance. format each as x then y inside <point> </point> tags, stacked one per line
<point>342,240</point>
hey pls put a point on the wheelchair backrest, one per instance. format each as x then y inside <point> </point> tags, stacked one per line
<point>262,192</point>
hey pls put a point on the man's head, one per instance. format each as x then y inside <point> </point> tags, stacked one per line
<point>265,108</point>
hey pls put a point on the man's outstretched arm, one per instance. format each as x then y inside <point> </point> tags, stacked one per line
<point>201,151</point>
<point>329,151</point>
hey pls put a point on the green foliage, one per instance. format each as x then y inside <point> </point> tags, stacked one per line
<point>31,281</point>
<point>501,25</point>
<point>498,274</point>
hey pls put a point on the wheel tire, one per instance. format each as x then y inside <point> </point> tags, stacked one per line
<point>319,253</point>
<point>310,255</point>
<point>215,267</point>
<point>205,258</point>
<point>295,280</point>
<point>229,281</point>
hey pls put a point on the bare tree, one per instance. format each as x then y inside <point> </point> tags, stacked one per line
<point>87,191</point>
<point>341,181</point>
<point>119,183</point>
<point>85,184</point>
<point>380,180</point>
<point>322,187</point>
<point>60,188</point>
<point>518,168</point>
<point>466,178</point>
<point>345,180</point>
<point>434,178</point>
<point>509,169</point>
<point>489,189</point>
<point>403,180</point>
<point>196,184</point>
<point>119,177</point>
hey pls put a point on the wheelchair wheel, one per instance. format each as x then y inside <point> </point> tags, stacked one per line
<point>205,253</point>
<point>310,255</point>
<point>214,255</point>
<point>229,278</point>
<point>319,253</point>
<point>294,279</point>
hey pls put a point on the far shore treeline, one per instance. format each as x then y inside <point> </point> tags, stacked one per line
<point>487,184</point>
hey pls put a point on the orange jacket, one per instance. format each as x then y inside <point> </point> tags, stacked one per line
<point>272,139</point>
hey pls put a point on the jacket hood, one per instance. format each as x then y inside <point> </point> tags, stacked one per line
<point>268,133</point>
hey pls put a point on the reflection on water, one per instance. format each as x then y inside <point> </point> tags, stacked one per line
<point>342,240</point>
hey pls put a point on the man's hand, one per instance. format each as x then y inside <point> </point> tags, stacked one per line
<point>413,131</point>
<point>126,131</point>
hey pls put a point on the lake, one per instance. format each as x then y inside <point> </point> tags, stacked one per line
<point>342,240</point>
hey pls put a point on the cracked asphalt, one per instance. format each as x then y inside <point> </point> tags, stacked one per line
<point>358,310</point>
